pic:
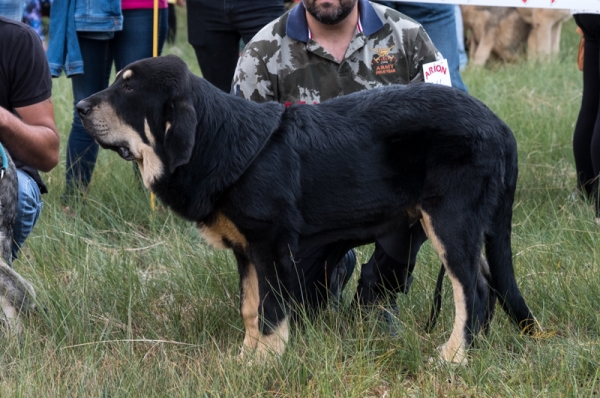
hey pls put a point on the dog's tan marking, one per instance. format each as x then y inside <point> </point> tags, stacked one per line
<point>150,165</point>
<point>121,134</point>
<point>484,267</point>
<point>220,229</point>
<point>454,350</point>
<point>167,128</point>
<point>148,134</point>
<point>275,343</point>
<point>250,301</point>
<point>127,74</point>
<point>254,341</point>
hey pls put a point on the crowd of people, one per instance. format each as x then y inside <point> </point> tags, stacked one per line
<point>317,50</point>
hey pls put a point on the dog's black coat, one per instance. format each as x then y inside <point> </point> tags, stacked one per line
<point>348,169</point>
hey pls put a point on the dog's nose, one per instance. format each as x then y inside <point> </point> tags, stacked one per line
<point>83,108</point>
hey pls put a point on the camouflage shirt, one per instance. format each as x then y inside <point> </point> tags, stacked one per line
<point>282,63</point>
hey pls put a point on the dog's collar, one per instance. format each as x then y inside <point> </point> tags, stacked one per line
<point>4,162</point>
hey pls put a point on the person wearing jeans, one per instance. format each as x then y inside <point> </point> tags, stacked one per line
<point>463,59</point>
<point>98,49</point>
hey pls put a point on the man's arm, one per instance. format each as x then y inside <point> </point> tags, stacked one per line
<point>33,139</point>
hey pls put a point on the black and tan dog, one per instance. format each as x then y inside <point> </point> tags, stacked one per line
<point>262,179</point>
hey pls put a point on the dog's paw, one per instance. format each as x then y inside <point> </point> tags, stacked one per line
<point>257,357</point>
<point>453,356</point>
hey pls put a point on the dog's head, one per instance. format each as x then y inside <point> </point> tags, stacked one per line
<point>146,115</point>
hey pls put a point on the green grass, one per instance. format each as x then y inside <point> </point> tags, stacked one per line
<point>137,305</point>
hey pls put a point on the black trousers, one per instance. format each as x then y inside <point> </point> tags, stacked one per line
<point>586,138</point>
<point>215,28</point>
<point>387,272</point>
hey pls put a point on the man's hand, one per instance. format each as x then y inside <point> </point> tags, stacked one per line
<point>33,139</point>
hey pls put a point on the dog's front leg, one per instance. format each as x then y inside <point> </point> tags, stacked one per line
<point>263,309</point>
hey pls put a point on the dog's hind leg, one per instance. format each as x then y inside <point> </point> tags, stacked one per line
<point>263,308</point>
<point>483,283</point>
<point>16,296</point>
<point>459,248</point>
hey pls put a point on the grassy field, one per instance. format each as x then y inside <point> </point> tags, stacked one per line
<point>138,306</point>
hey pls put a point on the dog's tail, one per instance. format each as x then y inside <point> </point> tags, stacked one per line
<point>498,245</point>
<point>498,274</point>
<point>16,296</point>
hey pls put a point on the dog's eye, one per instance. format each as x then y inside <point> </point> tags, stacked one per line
<point>127,87</point>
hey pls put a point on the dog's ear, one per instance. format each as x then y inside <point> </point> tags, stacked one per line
<point>180,134</point>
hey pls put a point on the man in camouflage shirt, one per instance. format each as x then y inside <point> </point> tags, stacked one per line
<point>323,49</point>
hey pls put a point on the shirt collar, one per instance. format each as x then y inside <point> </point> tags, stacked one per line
<point>297,27</point>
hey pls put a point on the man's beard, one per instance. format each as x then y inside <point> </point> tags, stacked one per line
<point>331,14</point>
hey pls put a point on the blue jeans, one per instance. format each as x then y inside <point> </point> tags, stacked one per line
<point>132,43</point>
<point>28,210</point>
<point>12,9</point>
<point>439,22</point>
<point>463,59</point>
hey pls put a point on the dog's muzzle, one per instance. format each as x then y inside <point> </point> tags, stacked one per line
<point>83,109</point>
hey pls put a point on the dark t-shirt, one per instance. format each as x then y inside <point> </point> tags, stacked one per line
<point>24,74</point>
